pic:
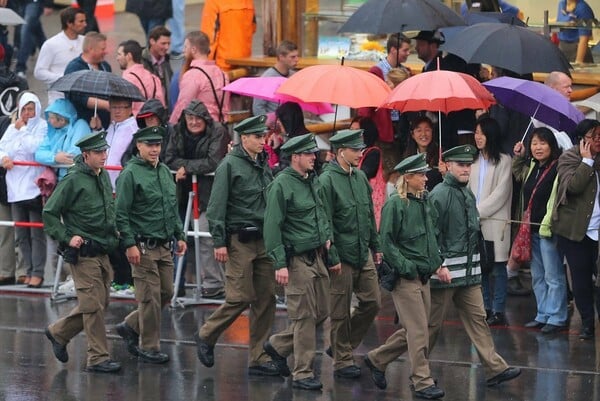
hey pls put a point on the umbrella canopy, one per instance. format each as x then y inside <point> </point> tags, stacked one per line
<point>9,17</point>
<point>476,17</point>
<point>336,84</point>
<point>535,100</point>
<point>265,87</point>
<point>390,16</point>
<point>97,83</point>
<point>443,91</point>
<point>507,46</point>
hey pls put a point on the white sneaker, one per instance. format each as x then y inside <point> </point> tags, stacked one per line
<point>21,75</point>
<point>67,286</point>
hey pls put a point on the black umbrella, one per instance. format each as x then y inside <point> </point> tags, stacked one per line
<point>476,17</point>
<point>507,46</point>
<point>391,16</point>
<point>99,84</point>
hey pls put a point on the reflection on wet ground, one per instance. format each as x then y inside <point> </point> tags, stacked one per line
<point>557,367</point>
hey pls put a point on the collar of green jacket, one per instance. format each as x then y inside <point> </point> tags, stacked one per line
<point>335,167</point>
<point>452,181</point>
<point>141,162</point>
<point>239,151</point>
<point>82,166</point>
<point>290,171</point>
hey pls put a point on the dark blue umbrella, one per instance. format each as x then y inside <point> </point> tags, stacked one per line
<point>391,16</point>
<point>507,46</point>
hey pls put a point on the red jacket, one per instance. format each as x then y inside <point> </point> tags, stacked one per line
<point>380,116</point>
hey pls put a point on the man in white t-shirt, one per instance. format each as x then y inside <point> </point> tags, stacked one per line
<point>57,51</point>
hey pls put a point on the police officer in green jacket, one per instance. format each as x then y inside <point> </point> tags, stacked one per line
<point>408,237</point>
<point>297,236</point>
<point>235,216</point>
<point>148,220</point>
<point>346,195</point>
<point>458,280</point>
<point>80,215</point>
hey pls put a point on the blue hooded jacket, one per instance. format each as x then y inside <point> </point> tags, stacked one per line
<point>61,139</point>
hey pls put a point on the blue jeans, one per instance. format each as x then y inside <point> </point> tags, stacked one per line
<point>548,281</point>
<point>177,25</point>
<point>32,33</point>
<point>498,304</point>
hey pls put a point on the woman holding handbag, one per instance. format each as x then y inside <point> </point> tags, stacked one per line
<point>539,178</point>
<point>491,183</point>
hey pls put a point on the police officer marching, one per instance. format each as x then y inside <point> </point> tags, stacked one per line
<point>80,215</point>
<point>458,280</point>
<point>408,238</point>
<point>148,220</point>
<point>346,195</point>
<point>235,215</point>
<point>297,236</point>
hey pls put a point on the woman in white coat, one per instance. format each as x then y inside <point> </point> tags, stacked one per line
<point>491,183</point>
<point>19,143</point>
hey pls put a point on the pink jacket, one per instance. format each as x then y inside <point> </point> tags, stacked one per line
<point>194,85</point>
<point>148,83</point>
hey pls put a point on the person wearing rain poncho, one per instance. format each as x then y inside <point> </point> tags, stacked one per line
<point>19,143</point>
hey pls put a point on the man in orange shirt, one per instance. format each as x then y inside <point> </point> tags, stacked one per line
<point>229,25</point>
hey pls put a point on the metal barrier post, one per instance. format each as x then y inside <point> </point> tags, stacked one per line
<point>180,259</point>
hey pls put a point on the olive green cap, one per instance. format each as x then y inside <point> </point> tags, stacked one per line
<point>150,135</point>
<point>348,138</point>
<point>252,125</point>
<point>462,153</point>
<point>413,164</point>
<point>300,144</point>
<point>95,141</point>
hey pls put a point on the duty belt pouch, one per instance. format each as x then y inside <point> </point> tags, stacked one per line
<point>247,234</point>
<point>70,254</point>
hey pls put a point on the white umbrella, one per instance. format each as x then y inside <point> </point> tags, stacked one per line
<point>9,17</point>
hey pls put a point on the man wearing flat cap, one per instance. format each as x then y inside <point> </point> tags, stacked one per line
<point>346,195</point>
<point>235,216</point>
<point>197,146</point>
<point>80,215</point>
<point>297,236</point>
<point>148,221</point>
<point>408,239</point>
<point>458,280</point>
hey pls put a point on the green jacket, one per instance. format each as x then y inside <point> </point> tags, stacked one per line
<point>146,203</point>
<point>458,232</point>
<point>295,217</point>
<point>408,236</point>
<point>347,201</point>
<point>238,197</point>
<point>82,204</point>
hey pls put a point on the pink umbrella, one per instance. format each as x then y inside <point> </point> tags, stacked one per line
<point>265,87</point>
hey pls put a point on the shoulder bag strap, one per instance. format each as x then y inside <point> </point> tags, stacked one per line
<point>214,91</point>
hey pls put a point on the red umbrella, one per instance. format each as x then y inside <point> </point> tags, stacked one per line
<point>265,87</point>
<point>441,91</point>
<point>338,84</point>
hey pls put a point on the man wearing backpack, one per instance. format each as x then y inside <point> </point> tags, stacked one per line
<point>201,79</point>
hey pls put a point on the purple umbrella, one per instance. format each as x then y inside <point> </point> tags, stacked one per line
<point>535,100</point>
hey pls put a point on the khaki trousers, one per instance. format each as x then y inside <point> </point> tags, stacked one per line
<point>249,281</point>
<point>153,281</point>
<point>92,278</point>
<point>412,301</point>
<point>349,329</point>
<point>307,305</point>
<point>469,304</point>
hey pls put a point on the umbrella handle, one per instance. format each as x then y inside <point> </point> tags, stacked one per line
<point>96,107</point>
<point>530,122</point>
